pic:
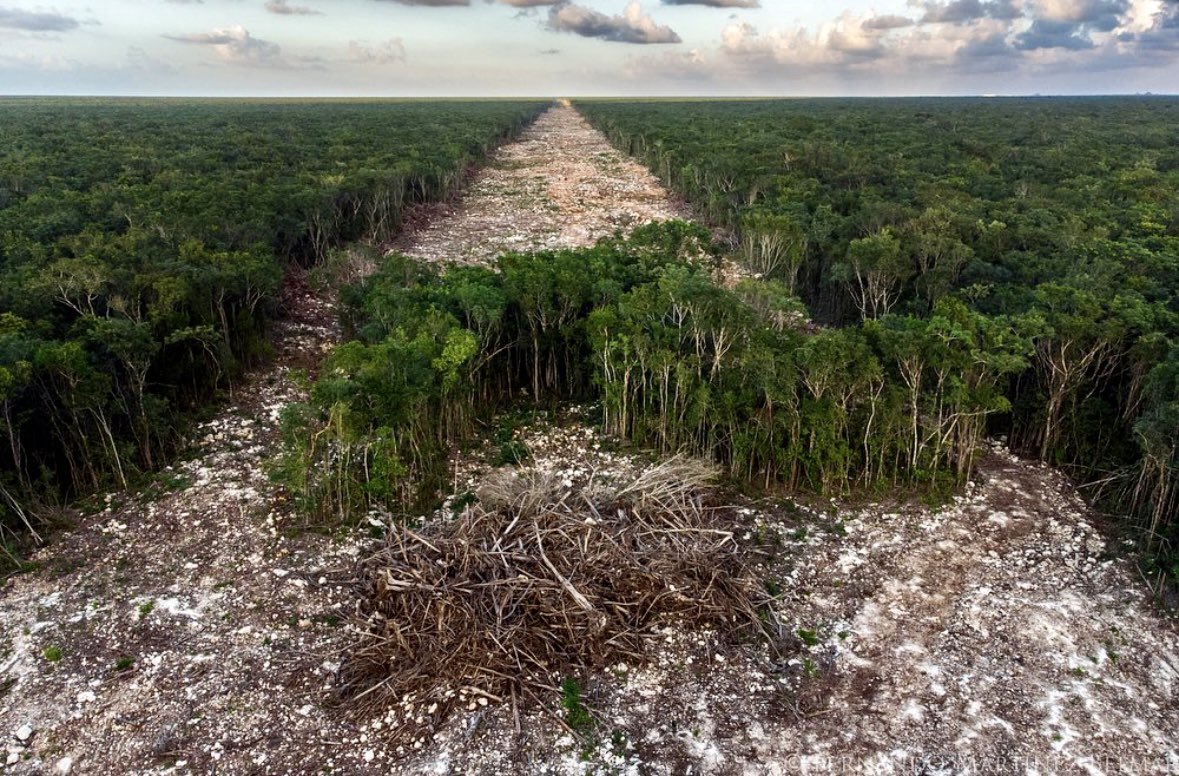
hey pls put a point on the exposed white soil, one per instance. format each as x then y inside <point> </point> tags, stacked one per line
<point>199,630</point>
<point>560,185</point>
<point>996,635</point>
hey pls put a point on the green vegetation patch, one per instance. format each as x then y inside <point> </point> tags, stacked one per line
<point>677,362</point>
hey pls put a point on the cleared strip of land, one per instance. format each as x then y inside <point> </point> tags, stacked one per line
<point>560,185</point>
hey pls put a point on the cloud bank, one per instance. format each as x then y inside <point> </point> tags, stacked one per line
<point>966,37</point>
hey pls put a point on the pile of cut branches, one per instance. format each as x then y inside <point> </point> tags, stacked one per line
<point>537,581</point>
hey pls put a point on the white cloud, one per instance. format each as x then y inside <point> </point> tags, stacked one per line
<point>236,46</point>
<point>957,37</point>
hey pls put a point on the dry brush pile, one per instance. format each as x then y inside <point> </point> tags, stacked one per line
<point>537,581</point>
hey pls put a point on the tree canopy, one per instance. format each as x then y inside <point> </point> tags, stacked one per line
<point>143,242</point>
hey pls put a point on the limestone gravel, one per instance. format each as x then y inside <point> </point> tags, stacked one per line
<point>560,185</point>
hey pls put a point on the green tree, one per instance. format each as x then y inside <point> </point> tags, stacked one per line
<point>874,272</point>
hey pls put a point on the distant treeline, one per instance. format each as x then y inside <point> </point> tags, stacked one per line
<point>1060,213</point>
<point>142,244</point>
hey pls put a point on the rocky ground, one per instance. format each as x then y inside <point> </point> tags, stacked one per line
<point>192,627</point>
<point>560,185</point>
<point>998,634</point>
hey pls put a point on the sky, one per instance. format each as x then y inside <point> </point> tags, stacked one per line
<point>588,47</point>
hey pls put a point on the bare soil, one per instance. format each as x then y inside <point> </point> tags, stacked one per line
<point>193,627</point>
<point>560,185</point>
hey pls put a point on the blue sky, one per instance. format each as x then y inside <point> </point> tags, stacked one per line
<point>574,47</point>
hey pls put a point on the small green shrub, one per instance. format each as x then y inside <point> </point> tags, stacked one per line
<point>577,716</point>
<point>512,454</point>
